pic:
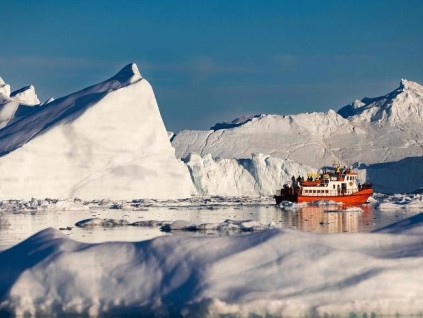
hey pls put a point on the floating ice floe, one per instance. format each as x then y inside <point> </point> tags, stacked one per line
<point>101,222</point>
<point>288,205</point>
<point>398,201</point>
<point>49,204</point>
<point>226,226</point>
<point>180,225</point>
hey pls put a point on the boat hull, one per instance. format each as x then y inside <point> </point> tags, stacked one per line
<point>359,197</point>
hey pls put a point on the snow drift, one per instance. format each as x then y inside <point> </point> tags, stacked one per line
<point>276,272</point>
<point>107,140</point>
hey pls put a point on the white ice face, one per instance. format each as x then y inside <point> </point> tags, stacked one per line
<point>105,141</point>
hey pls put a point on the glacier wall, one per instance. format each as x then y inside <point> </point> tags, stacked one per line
<point>259,175</point>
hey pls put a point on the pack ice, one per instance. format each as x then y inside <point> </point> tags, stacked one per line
<point>382,135</point>
<point>107,140</point>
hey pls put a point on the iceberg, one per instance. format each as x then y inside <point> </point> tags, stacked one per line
<point>380,136</point>
<point>105,141</point>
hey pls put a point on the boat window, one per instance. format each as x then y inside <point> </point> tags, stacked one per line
<point>327,191</point>
<point>334,186</point>
<point>314,191</point>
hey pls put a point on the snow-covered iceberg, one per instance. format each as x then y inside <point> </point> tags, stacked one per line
<point>256,176</point>
<point>107,140</point>
<point>275,272</point>
<point>373,130</point>
<point>378,132</point>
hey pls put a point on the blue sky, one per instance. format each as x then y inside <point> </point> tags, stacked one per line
<point>210,61</point>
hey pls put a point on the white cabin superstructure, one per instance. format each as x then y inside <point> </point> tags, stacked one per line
<point>331,185</point>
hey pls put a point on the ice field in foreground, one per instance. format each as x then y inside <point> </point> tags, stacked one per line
<point>278,272</point>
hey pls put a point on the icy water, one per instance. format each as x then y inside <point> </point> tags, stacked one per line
<point>18,225</point>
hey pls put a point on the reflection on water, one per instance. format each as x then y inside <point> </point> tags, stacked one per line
<point>339,219</point>
<point>331,219</point>
<point>318,219</point>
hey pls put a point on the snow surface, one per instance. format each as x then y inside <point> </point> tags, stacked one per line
<point>378,133</point>
<point>105,141</point>
<point>275,272</point>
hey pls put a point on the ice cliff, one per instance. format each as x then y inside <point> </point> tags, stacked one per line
<point>107,140</point>
<point>258,175</point>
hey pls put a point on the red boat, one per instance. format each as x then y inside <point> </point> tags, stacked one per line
<point>339,186</point>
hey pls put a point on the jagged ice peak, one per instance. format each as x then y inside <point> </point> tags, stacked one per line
<point>129,74</point>
<point>405,84</point>
<point>26,95</point>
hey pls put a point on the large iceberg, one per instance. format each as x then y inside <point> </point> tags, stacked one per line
<point>382,135</point>
<point>373,130</point>
<point>107,140</point>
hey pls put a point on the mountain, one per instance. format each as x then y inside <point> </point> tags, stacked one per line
<point>105,141</point>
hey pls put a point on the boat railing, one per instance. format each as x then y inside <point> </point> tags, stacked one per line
<point>330,193</point>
